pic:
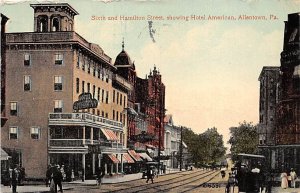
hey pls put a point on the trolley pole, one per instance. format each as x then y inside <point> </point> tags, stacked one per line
<point>180,149</point>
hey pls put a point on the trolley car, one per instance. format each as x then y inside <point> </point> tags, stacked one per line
<point>250,173</point>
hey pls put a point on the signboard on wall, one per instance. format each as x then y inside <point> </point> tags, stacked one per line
<point>85,101</point>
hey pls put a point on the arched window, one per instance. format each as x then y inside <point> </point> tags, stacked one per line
<point>43,23</point>
<point>55,24</point>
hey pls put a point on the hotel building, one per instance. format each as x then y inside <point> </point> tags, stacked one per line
<point>53,75</point>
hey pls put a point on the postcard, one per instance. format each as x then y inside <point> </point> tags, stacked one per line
<point>150,95</point>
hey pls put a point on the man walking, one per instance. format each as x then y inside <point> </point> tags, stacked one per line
<point>14,179</point>
<point>150,174</point>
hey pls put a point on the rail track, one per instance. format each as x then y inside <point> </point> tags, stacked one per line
<point>175,181</point>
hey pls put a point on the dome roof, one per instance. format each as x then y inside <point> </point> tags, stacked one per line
<point>123,59</point>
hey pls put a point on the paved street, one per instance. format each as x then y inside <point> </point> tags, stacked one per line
<point>194,181</point>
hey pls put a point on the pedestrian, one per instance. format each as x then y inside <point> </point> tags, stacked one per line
<point>284,180</point>
<point>150,174</point>
<point>72,175</point>
<point>293,178</point>
<point>14,179</point>
<point>57,177</point>
<point>48,175</point>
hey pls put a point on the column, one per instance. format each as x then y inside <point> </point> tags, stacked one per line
<point>105,168</point>
<point>117,164</point>
<point>93,163</point>
<point>83,133</point>
<point>295,158</point>
<point>92,135</point>
<point>83,166</point>
<point>112,168</point>
<point>49,24</point>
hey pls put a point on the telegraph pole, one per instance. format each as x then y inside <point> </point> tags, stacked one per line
<point>180,149</point>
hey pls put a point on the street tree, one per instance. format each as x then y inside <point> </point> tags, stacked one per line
<point>243,139</point>
<point>206,148</point>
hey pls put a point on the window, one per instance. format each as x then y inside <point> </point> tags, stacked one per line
<point>14,108</point>
<point>94,69</point>
<point>114,93</point>
<point>35,133</point>
<point>55,24</point>
<point>83,65</point>
<point>13,132</point>
<point>102,97</point>
<point>98,94</point>
<point>57,83</point>
<point>107,77</point>
<point>58,105</point>
<point>27,60</point>
<point>113,114</point>
<point>99,71</point>
<point>78,61</point>
<point>102,113</point>
<point>27,83</point>
<point>117,98</point>
<point>121,117</point>
<point>124,100</point>
<point>88,67</point>
<point>83,86</point>
<point>58,59</point>
<point>121,99</point>
<point>94,90</point>
<point>77,85</point>
<point>106,115</point>
<point>88,87</point>
<point>107,96</point>
<point>117,116</point>
<point>98,112</point>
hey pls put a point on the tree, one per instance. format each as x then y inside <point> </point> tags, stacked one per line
<point>206,148</point>
<point>243,139</point>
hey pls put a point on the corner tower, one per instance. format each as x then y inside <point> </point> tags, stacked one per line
<point>53,17</point>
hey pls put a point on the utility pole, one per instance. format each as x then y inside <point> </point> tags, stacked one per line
<point>180,149</point>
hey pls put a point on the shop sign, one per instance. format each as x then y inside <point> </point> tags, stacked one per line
<point>85,101</point>
<point>94,149</point>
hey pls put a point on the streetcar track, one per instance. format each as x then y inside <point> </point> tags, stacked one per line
<point>173,187</point>
<point>167,184</point>
<point>200,185</point>
<point>163,181</point>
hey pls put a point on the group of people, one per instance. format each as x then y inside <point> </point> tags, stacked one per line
<point>288,179</point>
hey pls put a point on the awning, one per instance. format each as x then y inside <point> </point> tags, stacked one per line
<point>4,155</point>
<point>127,158</point>
<point>113,158</point>
<point>146,156</point>
<point>131,111</point>
<point>135,156</point>
<point>150,150</point>
<point>109,134</point>
<point>150,146</point>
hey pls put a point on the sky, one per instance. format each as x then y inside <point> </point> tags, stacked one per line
<point>210,67</point>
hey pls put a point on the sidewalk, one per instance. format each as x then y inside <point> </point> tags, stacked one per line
<point>288,190</point>
<point>117,179</point>
<point>28,188</point>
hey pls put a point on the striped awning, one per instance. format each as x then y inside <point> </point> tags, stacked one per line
<point>135,156</point>
<point>113,158</point>
<point>127,158</point>
<point>146,156</point>
<point>109,134</point>
<point>4,155</point>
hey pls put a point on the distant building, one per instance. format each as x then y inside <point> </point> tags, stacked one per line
<point>288,109</point>
<point>279,136</point>
<point>53,78</point>
<point>172,144</point>
<point>268,99</point>
<point>4,19</point>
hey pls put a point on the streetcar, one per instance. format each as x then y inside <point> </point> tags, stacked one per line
<point>249,173</point>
